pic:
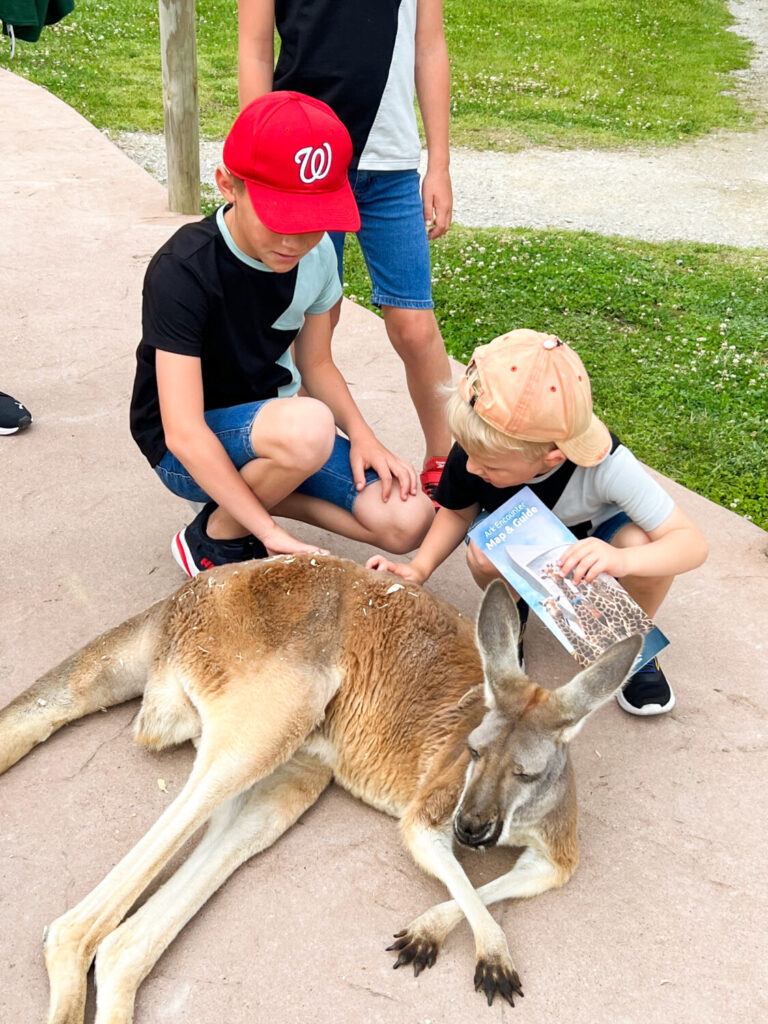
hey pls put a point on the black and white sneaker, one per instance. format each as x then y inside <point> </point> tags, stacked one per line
<point>195,551</point>
<point>647,692</point>
<point>13,415</point>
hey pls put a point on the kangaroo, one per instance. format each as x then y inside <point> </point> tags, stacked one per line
<point>292,671</point>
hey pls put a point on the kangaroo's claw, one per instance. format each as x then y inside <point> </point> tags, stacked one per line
<point>493,977</point>
<point>414,949</point>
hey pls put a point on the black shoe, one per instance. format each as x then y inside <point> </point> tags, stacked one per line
<point>647,692</point>
<point>522,611</point>
<point>195,551</point>
<point>13,415</point>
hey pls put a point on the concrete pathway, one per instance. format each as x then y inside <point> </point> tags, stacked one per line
<point>665,921</point>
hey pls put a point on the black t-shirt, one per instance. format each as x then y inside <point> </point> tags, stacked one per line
<point>460,489</point>
<point>200,300</point>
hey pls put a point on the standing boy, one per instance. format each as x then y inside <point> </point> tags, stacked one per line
<point>216,407</point>
<point>522,415</point>
<point>364,59</point>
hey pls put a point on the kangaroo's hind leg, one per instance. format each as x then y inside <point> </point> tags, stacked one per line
<point>239,829</point>
<point>109,670</point>
<point>249,727</point>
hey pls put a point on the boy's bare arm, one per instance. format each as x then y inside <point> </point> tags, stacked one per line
<point>323,380</point>
<point>677,546</point>
<point>433,88</point>
<point>444,536</point>
<point>255,48</point>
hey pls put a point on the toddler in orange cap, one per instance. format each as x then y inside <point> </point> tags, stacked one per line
<point>522,416</point>
<point>236,398</point>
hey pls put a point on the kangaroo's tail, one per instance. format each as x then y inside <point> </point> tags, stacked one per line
<point>109,670</point>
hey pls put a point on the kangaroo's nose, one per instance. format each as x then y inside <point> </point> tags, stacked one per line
<point>471,831</point>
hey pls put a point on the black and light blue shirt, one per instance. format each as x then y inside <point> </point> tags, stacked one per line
<point>206,298</point>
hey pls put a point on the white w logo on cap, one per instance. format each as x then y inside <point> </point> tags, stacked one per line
<point>315,163</point>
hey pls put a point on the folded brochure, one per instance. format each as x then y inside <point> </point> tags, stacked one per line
<point>524,540</point>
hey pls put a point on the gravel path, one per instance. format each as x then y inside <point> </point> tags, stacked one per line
<point>714,189</point>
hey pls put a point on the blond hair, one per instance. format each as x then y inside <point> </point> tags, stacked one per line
<point>477,437</point>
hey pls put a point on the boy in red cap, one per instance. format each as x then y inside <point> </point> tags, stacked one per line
<point>220,408</point>
<point>522,416</point>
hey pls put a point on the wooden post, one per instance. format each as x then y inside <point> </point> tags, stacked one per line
<point>178,44</point>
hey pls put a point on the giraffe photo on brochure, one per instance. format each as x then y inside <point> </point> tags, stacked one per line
<point>525,541</point>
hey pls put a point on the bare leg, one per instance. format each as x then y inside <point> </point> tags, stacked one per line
<point>648,591</point>
<point>239,829</point>
<point>294,438</point>
<point>416,338</point>
<point>396,526</point>
<point>482,568</point>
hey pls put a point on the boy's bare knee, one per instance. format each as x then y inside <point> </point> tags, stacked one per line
<point>413,332</point>
<point>301,434</point>
<point>398,526</point>
<point>409,522</point>
<point>630,536</point>
<point>482,568</point>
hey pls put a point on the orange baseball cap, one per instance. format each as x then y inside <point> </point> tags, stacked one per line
<point>534,387</point>
<point>293,154</point>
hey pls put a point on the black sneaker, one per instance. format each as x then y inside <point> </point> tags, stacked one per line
<point>647,692</point>
<point>195,551</point>
<point>522,611</point>
<point>13,415</point>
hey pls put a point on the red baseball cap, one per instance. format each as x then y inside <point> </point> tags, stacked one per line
<point>292,152</point>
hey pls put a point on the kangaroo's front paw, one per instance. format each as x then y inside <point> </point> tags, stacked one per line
<point>496,974</point>
<point>414,948</point>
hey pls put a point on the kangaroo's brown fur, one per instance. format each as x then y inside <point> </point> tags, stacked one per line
<point>286,673</point>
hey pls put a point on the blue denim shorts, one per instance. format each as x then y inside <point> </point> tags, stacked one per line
<point>333,483</point>
<point>393,238</point>
<point>606,531</point>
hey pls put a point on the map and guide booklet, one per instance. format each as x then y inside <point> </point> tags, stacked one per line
<point>524,540</point>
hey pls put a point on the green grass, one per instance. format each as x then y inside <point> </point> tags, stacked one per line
<point>588,72</point>
<point>564,72</point>
<point>104,60</point>
<point>673,336</point>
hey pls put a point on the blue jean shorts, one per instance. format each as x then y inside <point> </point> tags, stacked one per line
<point>393,238</point>
<point>333,483</point>
<point>606,531</point>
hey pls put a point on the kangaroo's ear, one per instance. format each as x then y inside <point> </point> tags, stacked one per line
<point>498,627</point>
<point>594,685</point>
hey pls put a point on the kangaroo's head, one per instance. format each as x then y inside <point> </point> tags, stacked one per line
<point>518,771</point>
